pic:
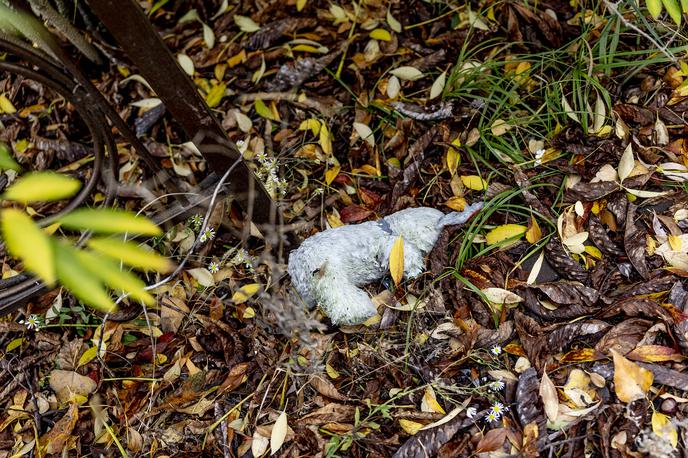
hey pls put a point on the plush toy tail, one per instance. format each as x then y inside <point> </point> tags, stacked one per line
<point>454,218</point>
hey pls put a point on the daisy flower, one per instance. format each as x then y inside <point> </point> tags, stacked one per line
<point>471,411</point>
<point>491,417</point>
<point>208,234</point>
<point>33,322</point>
<point>498,409</point>
<point>196,221</point>
<point>213,267</point>
<point>497,385</point>
<point>496,350</point>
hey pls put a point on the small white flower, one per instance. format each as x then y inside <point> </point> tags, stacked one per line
<point>539,154</point>
<point>497,385</point>
<point>213,267</point>
<point>262,157</point>
<point>496,350</point>
<point>241,146</point>
<point>33,322</point>
<point>208,234</point>
<point>196,221</point>
<point>471,411</point>
<point>491,417</point>
<point>498,409</point>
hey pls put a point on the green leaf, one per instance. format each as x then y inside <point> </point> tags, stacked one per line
<point>109,221</point>
<point>110,273</point>
<point>7,162</point>
<point>42,187</point>
<point>79,279</point>
<point>673,7</point>
<point>88,356</point>
<point>263,110</point>
<point>130,253</point>
<point>25,240</point>
<point>654,7</point>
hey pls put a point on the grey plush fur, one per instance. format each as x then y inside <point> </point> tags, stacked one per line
<point>330,267</point>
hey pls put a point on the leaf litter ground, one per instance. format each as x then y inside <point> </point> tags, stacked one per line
<point>553,324</point>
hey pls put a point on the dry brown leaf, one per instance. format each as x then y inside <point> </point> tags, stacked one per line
<point>326,388</point>
<point>550,398</point>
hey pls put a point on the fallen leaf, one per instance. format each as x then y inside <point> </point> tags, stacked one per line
<point>474,182</point>
<point>550,398</point>
<point>505,232</point>
<point>664,428</point>
<point>279,433</point>
<point>429,402</point>
<point>407,73</point>
<point>68,383</point>
<point>396,260</point>
<point>631,381</point>
<point>410,427</point>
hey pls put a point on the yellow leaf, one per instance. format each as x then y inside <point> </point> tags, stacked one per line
<point>654,7</point>
<point>88,356</point>
<point>453,156</point>
<point>631,381</point>
<point>6,105</point>
<point>456,203</point>
<point>593,251</point>
<point>300,4</point>
<point>663,427</point>
<point>534,233</point>
<point>429,402</point>
<point>331,371</point>
<point>334,220</point>
<point>131,254</point>
<point>25,240</point>
<point>675,242</point>
<point>505,232</point>
<point>325,139</point>
<point>245,292</point>
<point>109,221</point>
<point>331,174</point>
<point>215,95</point>
<point>42,187</point>
<point>410,427</point>
<point>474,182</point>
<point>396,260</point>
<point>312,124</point>
<point>249,313</point>
<point>380,34</point>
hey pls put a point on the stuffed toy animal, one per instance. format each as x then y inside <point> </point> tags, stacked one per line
<point>329,268</point>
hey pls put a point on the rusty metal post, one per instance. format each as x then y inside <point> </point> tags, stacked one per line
<point>136,36</point>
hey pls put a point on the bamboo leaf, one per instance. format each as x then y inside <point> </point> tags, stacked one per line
<point>131,254</point>
<point>109,221</point>
<point>25,240</point>
<point>109,272</point>
<point>42,187</point>
<point>79,279</point>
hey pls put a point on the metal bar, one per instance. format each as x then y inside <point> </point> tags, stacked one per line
<point>138,39</point>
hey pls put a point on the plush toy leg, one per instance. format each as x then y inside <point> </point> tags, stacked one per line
<point>343,301</point>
